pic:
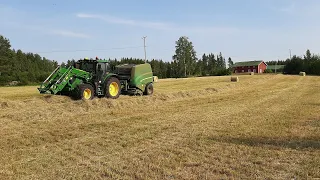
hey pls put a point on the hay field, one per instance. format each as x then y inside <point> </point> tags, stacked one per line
<point>262,127</point>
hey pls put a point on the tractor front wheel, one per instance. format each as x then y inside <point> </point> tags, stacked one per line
<point>85,92</point>
<point>113,88</point>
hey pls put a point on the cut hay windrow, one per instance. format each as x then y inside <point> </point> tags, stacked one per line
<point>136,101</point>
<point>47,107</point>
<point>52,105</point>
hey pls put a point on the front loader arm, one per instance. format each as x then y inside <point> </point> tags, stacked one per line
<point>52,79</point>
<point>63,78</point>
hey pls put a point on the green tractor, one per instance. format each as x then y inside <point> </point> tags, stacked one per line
<point>87,79</point>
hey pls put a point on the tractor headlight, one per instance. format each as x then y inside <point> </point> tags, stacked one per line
<point>71,80</point>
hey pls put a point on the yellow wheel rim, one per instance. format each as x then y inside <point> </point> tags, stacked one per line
<point>113,89</point>
<point>87,94</point>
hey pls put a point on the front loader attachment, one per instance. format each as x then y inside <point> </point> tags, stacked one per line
<point>55,82</point>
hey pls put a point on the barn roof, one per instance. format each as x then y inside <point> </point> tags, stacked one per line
<point>248,63</point>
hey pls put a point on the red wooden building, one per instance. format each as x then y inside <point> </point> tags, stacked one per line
<point>249,66</point>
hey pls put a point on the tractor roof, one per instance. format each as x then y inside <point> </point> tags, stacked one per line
<point>102,61</point>
<point>93,61</point>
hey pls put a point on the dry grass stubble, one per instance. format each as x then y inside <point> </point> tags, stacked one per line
<point>212,129</point>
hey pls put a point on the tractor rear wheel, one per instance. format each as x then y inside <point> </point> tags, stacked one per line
<point>85,92</point>
<point>113,88</point>
<point>149,89</point>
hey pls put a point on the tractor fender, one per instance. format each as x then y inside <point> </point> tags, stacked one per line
<point>81,80</point>
<point>108,77</point>
<point>104,82</point>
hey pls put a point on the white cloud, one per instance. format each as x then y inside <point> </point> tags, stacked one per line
<point>69,34</point>
<point>18,19</point>
<point>109,19</point>
<point>48,30</point>
<point>157,25</point>
<point>117,20</point>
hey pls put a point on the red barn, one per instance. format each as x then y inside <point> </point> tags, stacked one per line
<point>250,66</point>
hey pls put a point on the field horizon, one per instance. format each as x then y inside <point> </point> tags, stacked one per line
<point>262,127</point>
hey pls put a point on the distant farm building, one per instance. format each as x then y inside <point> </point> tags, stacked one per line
<point>249,66</point>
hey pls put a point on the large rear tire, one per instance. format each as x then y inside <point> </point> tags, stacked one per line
<point>113,88</point>
<point>149,89</point>
<point>85,92</point>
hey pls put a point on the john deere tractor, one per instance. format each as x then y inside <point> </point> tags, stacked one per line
<point>89,78</point>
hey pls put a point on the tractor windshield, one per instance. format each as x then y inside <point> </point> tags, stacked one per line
<point>104,67</point>
<point>88,66</point>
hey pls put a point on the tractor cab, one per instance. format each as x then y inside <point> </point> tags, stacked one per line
<point>98,67</point>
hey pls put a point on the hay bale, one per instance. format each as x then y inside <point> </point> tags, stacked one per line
<point>302,73</point>
<point>13,83</point>
<point>234,79</point>
<point>251,73</point>
<point>155,78</point>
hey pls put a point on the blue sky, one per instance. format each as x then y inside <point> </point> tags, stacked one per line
<point>243,30</point>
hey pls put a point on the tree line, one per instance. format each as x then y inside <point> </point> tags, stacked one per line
<point>184,64</point>
<point>309,63</point>
<point>30,68</point>
<point>25,68</point>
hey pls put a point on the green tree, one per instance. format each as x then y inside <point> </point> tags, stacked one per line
<point>212,64</point>
<point>221,61</point>
<point>20,66</point>
<point>308,55</point>
<point>230,63</point>
<point>204,67</point>
<point>185,57</point>
<point>5,54</point>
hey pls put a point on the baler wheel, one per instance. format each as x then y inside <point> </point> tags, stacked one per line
<point>149,89</point>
